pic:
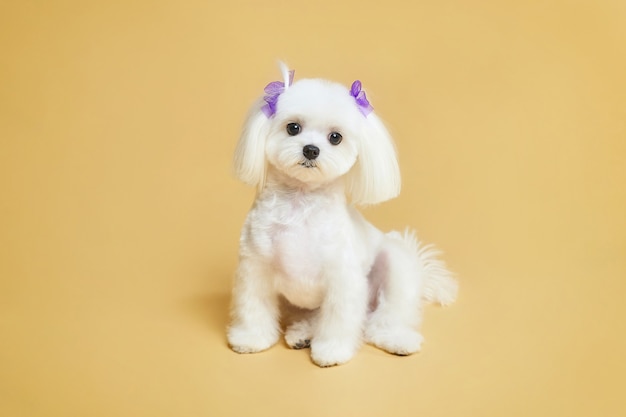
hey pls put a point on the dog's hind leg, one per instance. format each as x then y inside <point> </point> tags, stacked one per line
<point>298,334</point>
<point>397,303</point>
<point>407,274</point>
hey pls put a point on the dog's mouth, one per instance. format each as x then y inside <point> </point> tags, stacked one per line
<point>308,163</point>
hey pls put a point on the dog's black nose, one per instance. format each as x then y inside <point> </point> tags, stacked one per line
<point>311,152</point>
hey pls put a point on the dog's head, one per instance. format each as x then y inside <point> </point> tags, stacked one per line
<point>315,131</point>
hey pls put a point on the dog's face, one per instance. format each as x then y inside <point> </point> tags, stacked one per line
<point>318,134</point>
<point>314,134</point>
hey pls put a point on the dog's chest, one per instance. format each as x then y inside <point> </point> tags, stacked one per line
<point>299,259</point>
<point>300,245</point>
<point>299,239</point>
<point>298,251</point>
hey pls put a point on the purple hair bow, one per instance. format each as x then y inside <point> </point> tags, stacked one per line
<point>272,91</point>
<point>361,100</point>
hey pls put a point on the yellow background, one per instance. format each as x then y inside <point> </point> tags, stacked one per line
<point>119,217</point>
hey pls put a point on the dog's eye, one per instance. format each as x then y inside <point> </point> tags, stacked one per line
<point>293,129</point>
<point>335,138</point>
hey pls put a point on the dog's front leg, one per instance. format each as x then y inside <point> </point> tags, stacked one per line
<point>255,310</point>
<point>340,320</point>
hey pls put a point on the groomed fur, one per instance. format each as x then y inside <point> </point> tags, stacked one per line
<point>304,242</point>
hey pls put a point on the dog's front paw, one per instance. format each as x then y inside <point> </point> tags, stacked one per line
<point>331,353</point>
<point>243,339</point>
<point>397,340</point>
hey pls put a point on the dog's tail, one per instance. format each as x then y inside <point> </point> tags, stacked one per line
<point>439,286</point>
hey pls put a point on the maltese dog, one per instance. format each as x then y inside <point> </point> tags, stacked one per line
<point>314,149</point>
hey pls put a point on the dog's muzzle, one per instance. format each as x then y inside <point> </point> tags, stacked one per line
<point>310,152</point>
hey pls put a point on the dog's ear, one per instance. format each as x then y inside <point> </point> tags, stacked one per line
<point>249,162</point>
<point>376,175</point>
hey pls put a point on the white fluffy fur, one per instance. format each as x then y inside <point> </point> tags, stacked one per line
<point>304,242</point>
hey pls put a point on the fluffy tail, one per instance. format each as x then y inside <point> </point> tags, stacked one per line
<point>440,286</point>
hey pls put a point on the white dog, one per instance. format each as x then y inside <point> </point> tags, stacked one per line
<point>308,146</point>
